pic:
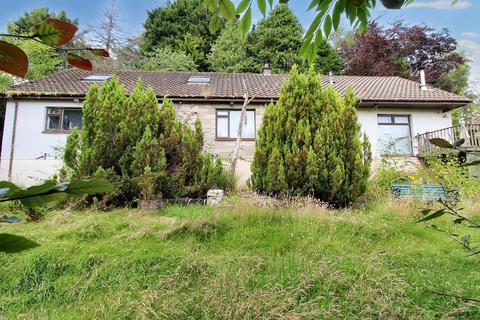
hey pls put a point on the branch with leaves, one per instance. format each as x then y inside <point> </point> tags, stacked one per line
<point>451,208</point>
<point>51,32</point>
<point>327,18</point>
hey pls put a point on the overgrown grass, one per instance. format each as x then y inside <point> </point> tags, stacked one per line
<point>239,262</point>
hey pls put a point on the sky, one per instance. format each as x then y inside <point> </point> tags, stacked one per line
<point>461,19</point>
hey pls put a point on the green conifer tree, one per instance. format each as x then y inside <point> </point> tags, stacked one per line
<point>229,53</point>
<point>132,140</point>
<point>308,144</point>
<point>276,40</point>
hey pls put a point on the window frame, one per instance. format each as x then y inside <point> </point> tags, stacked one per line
<point>393,123</point>
<point>217,138</point>
<point>62,109</point>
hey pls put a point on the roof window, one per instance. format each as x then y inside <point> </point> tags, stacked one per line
<point>97,77</point>
<point>198,80</point>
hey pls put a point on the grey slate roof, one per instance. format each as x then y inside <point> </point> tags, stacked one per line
<point>230,86</point>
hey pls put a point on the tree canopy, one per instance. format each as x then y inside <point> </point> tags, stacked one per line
<point>24,24</point>
<point>403,50</point>
<point>229,52</point>
<point>276,40</point>
<point>182,25</point>
<point>327,16</point>
<point>166,59</point>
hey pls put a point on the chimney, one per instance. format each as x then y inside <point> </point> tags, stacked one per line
<point>266,71</point>
<point>423,83</point>
<point>330,77</point>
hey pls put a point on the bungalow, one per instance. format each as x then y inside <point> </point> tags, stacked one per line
<point>395,113</point>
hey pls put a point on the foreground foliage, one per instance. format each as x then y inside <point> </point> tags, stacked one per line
<point>236,263</point>
<point>308,144</point>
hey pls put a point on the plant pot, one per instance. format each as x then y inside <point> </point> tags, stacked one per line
<point>149,205</point>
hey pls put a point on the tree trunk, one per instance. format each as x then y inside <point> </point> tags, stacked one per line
<point>236,150</point>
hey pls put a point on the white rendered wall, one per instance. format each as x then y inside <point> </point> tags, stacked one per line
<point>31,142</point>
<point>421,121</point>
<point>36,156</point>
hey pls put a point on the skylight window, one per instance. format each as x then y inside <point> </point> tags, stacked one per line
<point>97,77</point>
<point>198,80</point>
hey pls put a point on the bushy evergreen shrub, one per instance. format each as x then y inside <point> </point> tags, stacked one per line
<point>309,144</point>
<point>126,137</point>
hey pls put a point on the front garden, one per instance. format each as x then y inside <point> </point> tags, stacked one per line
<point>238,260</point>
<point>317,237</point>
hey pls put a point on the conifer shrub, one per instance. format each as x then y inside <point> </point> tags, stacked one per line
<point>309,144</point>
<point>128,139</point>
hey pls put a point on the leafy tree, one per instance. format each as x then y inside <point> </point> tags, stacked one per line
<point>327,59</point>
<point>327,18</point>
<point>308,144</point>
<point>455,80</point>
<point>276,40</point>
<point>24,24</point>
<point>229,53</point>
<point>43,60</point>
<point>5,81</point>
<point>192,46</point>
<point>370,54</point>
<point>170,24</point>
<point>403,50</point>
<point>166,59</point>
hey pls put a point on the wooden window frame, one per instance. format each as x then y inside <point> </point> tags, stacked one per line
<point>61,131</point>
<point>217,138</point>
<point>393,123</point>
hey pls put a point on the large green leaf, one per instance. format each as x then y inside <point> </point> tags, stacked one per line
<point>242,6</point>
<point>6,188</point>
<point>42,199</point>
<point>434,215</point>
<point>50,191</point>
<point>327,26</point>
<point>95,186</point>
<point>262,6</point>
<point>227,9</point>
<point>44,188</point>
<point>245,24</point>
<point>215,23</point>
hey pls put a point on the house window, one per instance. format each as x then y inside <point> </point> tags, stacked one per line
<point>63,119</point>
<point>228,121</point>
<point>394,134</point>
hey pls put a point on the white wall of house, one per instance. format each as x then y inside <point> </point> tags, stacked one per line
<point>36,156</point>
<point>421,121</point>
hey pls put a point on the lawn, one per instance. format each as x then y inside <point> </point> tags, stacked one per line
<point>237,262</point>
